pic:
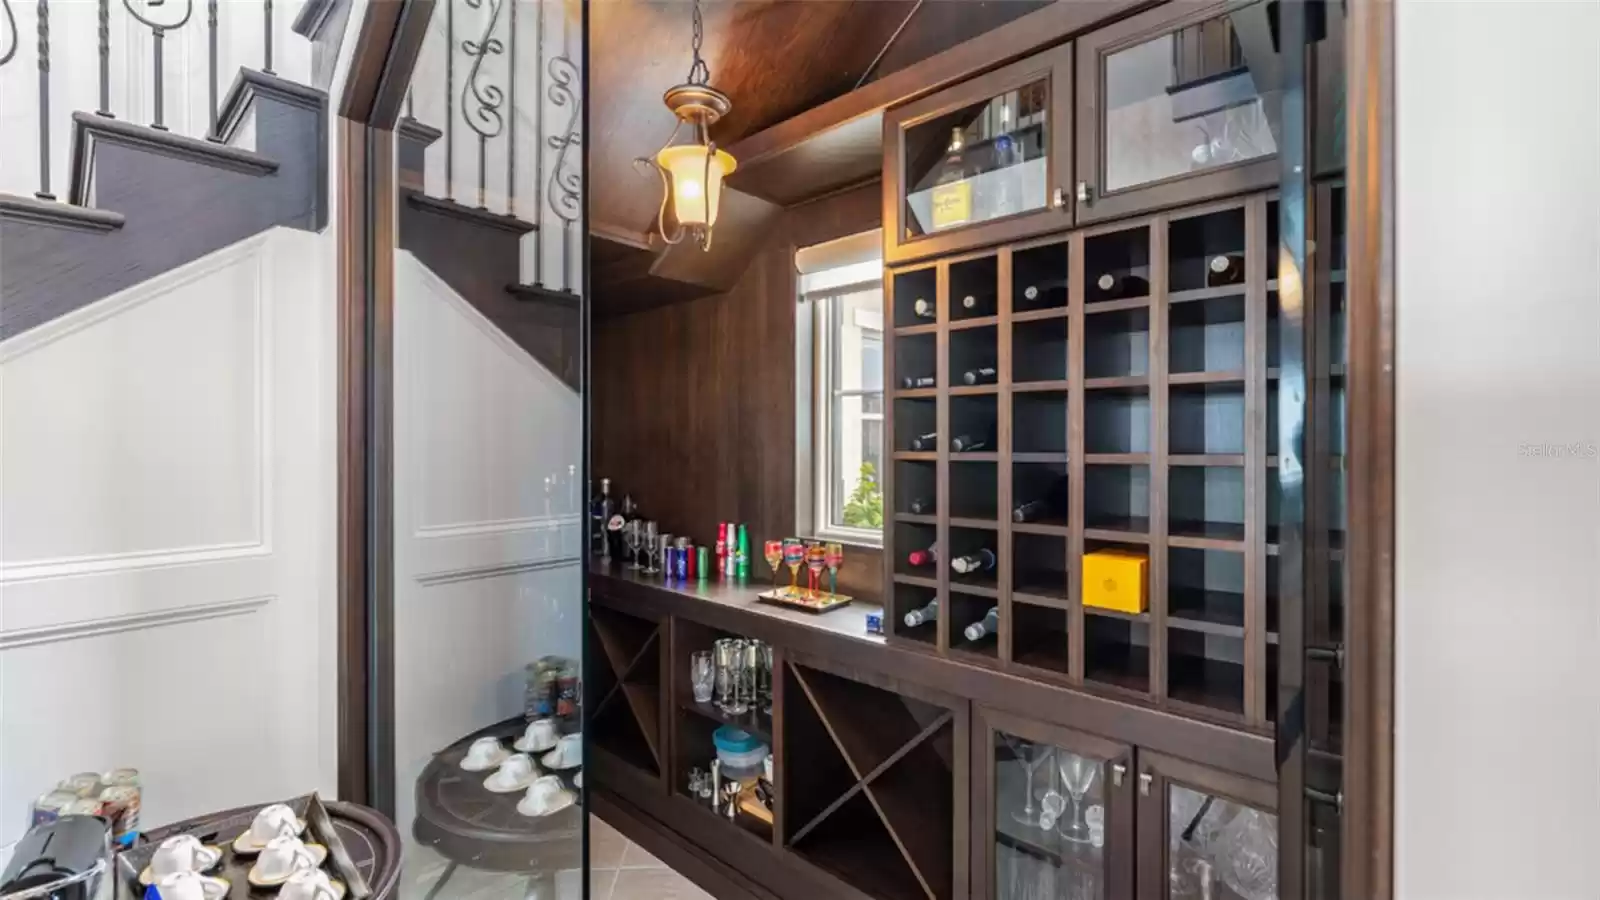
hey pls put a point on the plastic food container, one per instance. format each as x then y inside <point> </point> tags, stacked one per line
<point>740,752</point>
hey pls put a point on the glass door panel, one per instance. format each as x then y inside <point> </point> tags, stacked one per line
<point>1218,849</point>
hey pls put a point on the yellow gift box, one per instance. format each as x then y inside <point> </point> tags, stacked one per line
<point>1116,579</point>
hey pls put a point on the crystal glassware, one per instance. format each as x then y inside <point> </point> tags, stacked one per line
<point>1077,776</point>
<point>816,561</point>
<point>632,539</point>
<point>774,553</point>
<point>794,553</point>
<point>651,536</point>
<point>764,679</point>
<point>746,698</point>
<point>833,557</point>
<point>702,675</point>
<point>1246,854</point>
<point>1031,756</point>
<point>730,660</point>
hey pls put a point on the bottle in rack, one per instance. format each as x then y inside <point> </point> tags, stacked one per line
<point>1114,286</point>
<point>981,375</point>
<point>924,442</point>
<point>973,305</point>
<point>923,309</point>
<point>1030,511</point>
<point>919,381</point>
<point>922,506</point>
<point>1225,268</point>
<point>602,510</point>
<point>1046,292</point>
<point>1051,503</point>
<point>989,624</point>
<point>924,615</point>
<point>969,443</point>
<point>920,558</point>
<point>981,560</point>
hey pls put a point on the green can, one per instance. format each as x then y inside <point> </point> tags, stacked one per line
<point>702,562</point>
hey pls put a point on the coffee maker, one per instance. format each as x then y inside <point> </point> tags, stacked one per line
<point>62,860</point>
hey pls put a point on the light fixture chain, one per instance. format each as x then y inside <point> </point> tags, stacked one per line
<point>699,72</point>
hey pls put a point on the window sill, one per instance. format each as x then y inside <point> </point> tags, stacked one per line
<point>849,539</point>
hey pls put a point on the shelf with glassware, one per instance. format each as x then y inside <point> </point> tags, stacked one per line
<point>622,688</point>
<point>1114,400</point>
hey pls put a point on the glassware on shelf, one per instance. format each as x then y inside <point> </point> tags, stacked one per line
<point>651,540</point>
<point>816,561</point>
<point>702,675</point>
<point>729,655</point>
<point>1030,755</point>
<point>764,678</point>
<point>633,540</point>
<point>1245,855</point>
<point>745,698</point>
<point>794,553</point>
<point>833,556</point>
<point>1077,776</point>
<point>774,553</point>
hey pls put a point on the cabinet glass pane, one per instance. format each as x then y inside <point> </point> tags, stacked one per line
<point>1201,97</point>
<point>1218,849</point>
<point>981,162</point>
<point>1050,822</point>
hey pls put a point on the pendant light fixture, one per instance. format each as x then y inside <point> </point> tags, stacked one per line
<point>692,173</point>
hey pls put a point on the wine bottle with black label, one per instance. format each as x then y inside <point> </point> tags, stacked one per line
<point>981,560</point>
<point>969,443</point>
<point>911,382</point>
<point>1224,268</point>
<point>1045,292</point>
<point>989,624</point>
<point>975,304</point>
<point>925,442</point>
<point>922,309</point>
<point>1114,286</point>
<point>981,375</point>
<point>922,506</point>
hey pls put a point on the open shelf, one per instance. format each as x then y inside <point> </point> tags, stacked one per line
<point>904,599</point>
<point>1206,336</point>
<point>1205,504</point>
<point>1116,344</point>
<point>973,418</point>
<point>1039,422</point>
<point>621,637</point>
<point>855,846</point>
<point>1206,418</point>
<point>911,287</point>
<point>1116,422</point>
<point>1205,591</point>
<point>974,491</point>
<point>1039,278</point>
<point>1117,264</point>
<point>624,688</point>
<point>1206,670</point>
<point>1116,499</point>
<point>1046,483</point>
<point>1039,636</point>
<point>1039,565</point>
<point>1039,351</point>
<point>967,608</point>
<point>817,775</point>
<point>1194,242</point>
<point>915,423</point>
<point>916,487</point>
<point>965,540</point>
<point>974,355</point>
<point>916,358</point>
<point>694,749</point>
<point>1116,652</point>
<point>915,797</point>
<point>869,724</point>
<point>974,288</point>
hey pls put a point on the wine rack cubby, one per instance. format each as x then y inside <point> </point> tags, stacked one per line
<point>622,687</point>
<point>1133,408</point>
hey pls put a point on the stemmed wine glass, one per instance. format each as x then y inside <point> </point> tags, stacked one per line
<point>833,556</point>
<point>1077,776</point>
<point>794,553</point>
<point>774,552</point>
<point>816,561</point>
<point>632,539</point>
<point>1031,756</point>
<point>651,550</point>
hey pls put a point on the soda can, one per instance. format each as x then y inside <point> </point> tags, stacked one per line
<point>680,560</point>
<point>692,561</point>
<point>703,563</point>
<point>121,805</point>
<point>83,784</point>
<point>52,806</point>
<point>874,623</point>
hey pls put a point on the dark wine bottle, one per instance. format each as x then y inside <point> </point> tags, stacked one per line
<point>1113,286</point>
<point>922,309</point>
<point>977,305</point>
<point>1052,501</point>
<point>924,557</point>
<point>968,443</point>
<point>922,506</point>
<point>917,381</point>
<point>1046,292</point>
<point>1224,268</point>
<point>1031,511</point>
<point>981,375</point>
<point>923,442</point>
<point>977,561</point>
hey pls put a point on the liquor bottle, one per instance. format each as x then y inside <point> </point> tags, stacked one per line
<point>1046,292</point>
<point>968,443</point>
<point>977,305</point>
<point>924,615</point>
<point>981,560</point>
<point>911,382</point>
<point>954,167</point>
<point>925,441</point>
<point>601,512</point>
<point>989,625</point>
<point>981,375</point>
<point>922,506</point>
<point>1113,285</point>
<point>1225,268</point>
<point>928,557</point>
<point>922,309</point>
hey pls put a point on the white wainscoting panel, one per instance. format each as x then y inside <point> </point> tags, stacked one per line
<point>165,517</point>
<point>487,525</point>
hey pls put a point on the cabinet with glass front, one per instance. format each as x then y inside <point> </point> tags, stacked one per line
<point>985,161</point>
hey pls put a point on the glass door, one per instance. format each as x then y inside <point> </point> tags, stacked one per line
<point>1205,834</point>
<point>1055,810</point>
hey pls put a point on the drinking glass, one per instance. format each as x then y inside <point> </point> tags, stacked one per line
<point>729,653</point>
<point>633,540</point>
<point>650,538</point>
<point>794,553</point>
<point>1030,755</point>
<point>764,679</point>
<point>774,551</point>
<point>745,698</point>
<point>1077,776</point>
<point>816,560</point>
<point>833,556</point>
<point>1246,855</point>
<point>703,675</point>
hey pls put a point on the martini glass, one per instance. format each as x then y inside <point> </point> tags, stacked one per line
<point>774,559</point>
<point>1077,776</point>
<point>833,556</point>
<point>794,553</point>
<point>816,561</point>
<point>1031,756</point>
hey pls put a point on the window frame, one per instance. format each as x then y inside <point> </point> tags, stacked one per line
<point>818,457</point>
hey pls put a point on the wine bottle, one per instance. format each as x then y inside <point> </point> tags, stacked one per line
<point>981,375</point>
<point>924,615</point>
<point>922,506</point>
<point>1225,268</point>
<point>1051,501</point>
<point>1052,291</point>
<point>968,443</point>
<point>911,382</point>
<point>989,625</point>
<point>978,561</point>
<point>922,309</point>
<point>978,305</point>
<point>926,557</point>
<point>925,441</point>
<point>1113,285</point>
<point>1031,511</point>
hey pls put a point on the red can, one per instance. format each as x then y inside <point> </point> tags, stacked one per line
<point>722,544</point>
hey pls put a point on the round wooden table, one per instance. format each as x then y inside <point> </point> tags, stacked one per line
<point>471,826</point>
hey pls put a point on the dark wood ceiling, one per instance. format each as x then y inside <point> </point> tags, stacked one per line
<point>773,58</point>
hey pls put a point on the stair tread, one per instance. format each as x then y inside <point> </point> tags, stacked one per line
<point>88,127</point>
<point>250,82</point>
<point>14,207</point>
<point>468,213</point>
<point>536,292</point>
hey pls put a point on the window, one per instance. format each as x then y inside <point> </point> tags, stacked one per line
<point>842,456</point>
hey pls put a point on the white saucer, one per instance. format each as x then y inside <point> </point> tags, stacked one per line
<point>319,853</point>
<point>566,800</point>
<point>244,846</point>
<point>148,878</point>
<point>214,888</point>
<point>522,745</point>
<point>577,780</point>
<point>521,785</point>
<point>465,766</point>
<point>548,764</point>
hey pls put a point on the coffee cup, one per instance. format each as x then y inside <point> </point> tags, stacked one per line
<point>283,856</point>
<point>485,753</point>
<point>545,796</point>
<point>191,886</point>
<point>568,753</point>
<point>513,774</point>
<point>311,884</point>
<point>541,735</point>
<point>271,822</point>
<point>180,853</point>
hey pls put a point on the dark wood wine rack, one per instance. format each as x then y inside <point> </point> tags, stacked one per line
<point>1158,408</point>
<point>623,688</point>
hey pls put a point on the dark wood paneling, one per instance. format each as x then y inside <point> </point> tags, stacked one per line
<point>693,404</point>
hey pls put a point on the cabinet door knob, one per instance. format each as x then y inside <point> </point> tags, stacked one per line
<point>1085,193</point>
<point>1144,784</point>
<point>1118,770</point>
<point>1059,199</point>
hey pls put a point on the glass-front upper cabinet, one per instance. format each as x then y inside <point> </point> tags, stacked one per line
<point>1177,104</point>
<point>1205,834</point>
<point>986,161</point>
<point>1056,812</point>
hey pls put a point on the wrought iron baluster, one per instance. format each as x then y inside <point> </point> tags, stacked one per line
<point>511,105</point>
<point>538,141</point>
<point>44,101</point>
<point>158,32</point>
<point>211,64</point>
<point>266,7</point>
<point>11,32</point>
<point>449,100</point>
<point>565,184</point>
<point>485,118</point>
<point>105,59</point>
<point>411,103</point>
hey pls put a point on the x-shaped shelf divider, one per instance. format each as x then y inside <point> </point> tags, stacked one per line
<point>643,705</point>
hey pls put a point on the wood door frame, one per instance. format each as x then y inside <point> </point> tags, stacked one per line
<point>384,56</point>
<point>1155,772</point>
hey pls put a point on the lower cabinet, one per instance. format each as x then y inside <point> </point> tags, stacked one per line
<point>1063,815</point>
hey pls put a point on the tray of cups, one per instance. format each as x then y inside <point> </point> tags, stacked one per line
<point>287,851</point>
<point>803,599</point>
<point>531,766</point>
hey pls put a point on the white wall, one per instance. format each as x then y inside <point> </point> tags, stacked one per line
<point>1498,357</point>
<point>487,504</point>
<point>166,536</point>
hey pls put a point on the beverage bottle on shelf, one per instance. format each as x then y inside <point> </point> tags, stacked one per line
<point>925,441</point>
<point>722,547</point>
<point>1052,501</point>
<point>981,375</point>
<point>602,512</point>
<point>1113,285</point>
<point>926,557</point>
<point>1225,268</point>
<point>978,305</point>
<point>968,443</point>
<point>922,506</point>
<point>922,309</point>
<point>987,626</point>
<point>981,560</point>
<point>924,615</point>
<point>911,382</point>
<point>1052,291</point>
